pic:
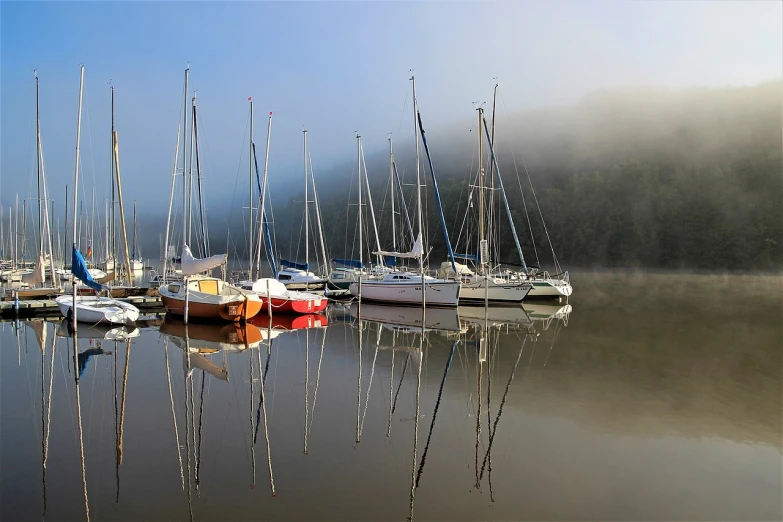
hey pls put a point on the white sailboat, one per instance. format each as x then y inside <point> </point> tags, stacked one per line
<point>92,309</point>
<point>484,287</point>
<point>545,285</point>
<point>294,275</point>
<point>35,279</point>
<point>407,287</point>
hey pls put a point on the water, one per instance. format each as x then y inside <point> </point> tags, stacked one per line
<point>657,398</point>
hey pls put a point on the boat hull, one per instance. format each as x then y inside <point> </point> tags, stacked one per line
<point>494,291</point>
<point>549,289</point>
<point>240,309</point>
<point>98,310</point>
<point>437,293</point>
<point>295,306</point>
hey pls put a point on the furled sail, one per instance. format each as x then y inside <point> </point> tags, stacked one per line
<point>192,265</point>
<point>416,251</point>
<point>37,276</point>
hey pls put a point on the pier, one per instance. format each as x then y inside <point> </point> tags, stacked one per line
<point>46,307</point>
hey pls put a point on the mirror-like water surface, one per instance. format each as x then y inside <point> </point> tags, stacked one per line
<point>650,397</point>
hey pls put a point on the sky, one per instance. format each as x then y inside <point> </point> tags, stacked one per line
<point>334,68</point>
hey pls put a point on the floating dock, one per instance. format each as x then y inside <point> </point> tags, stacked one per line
<point>48,307</point>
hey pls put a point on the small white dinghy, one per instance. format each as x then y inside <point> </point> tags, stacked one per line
<point>98,310</point>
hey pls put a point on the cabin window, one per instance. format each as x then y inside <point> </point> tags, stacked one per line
<point>283,277</point>
<point>208,286</point>
<point>338,276</point>
<point>174,288</point>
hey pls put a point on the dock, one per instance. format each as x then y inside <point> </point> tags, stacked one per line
<point>48,307</point>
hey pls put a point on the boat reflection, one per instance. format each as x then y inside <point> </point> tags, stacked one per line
<point>98,331</point>
<point>545,313</point>
<point>407,317</point>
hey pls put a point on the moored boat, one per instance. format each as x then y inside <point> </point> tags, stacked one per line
<point>284,300</point>
<point>98,310</point>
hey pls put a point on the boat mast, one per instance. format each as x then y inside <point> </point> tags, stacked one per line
<point>418,183</point>
<point>318,213</point>
<point>122,211</point>
<point>16,231</point>
<point>38,163</point>
<point>482,259</point>
<point>184,160</point>
<point>74,308</point>
<point>359,164</point>
<point>171,202</point>
<point>134,229</point>
<point>391,188</point>
<point>250,197</point>
<point>369,202</point>
<point>263,221</point>
<point>306,214</point>
<point>190,174</point>
<point>202,216</point>
<point>114,256</point>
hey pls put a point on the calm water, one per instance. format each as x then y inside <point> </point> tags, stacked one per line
<point>657,398</point>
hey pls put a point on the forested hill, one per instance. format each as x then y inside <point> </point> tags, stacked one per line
<point>635,178</point>
<point>649,178</point>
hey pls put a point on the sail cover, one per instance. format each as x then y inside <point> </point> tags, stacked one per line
<point>291,264</point>
<point>348,262</point>
<point>192,265</point>
<point>79,270</point>
<point>416,251</point>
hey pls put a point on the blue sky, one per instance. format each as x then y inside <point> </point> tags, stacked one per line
<point>334,68</point>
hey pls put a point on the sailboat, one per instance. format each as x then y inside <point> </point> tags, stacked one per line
<point>266,288</point>
<point>92,309</point>
<point>484,287</point>
<point>294,275</point>
<point>36,278</point>
<point>200,295</point>
<point>545,285</point>
<point>408,287</point>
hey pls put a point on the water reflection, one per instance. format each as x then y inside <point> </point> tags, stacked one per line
<point>387,414</point>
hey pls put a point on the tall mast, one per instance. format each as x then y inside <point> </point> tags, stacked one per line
<point>38,163</point>
<point>359,165</point>
<point>113,228</point>
<point>482,260</point>
<point>184,160</point>
<point>134,229</point>
<point>418,179</point>
<point>122,211</point>
<point>16,231</point>
<point>190,170</point>
<point>201,211</point>
<point>391,188</point>
<point>76,191</point>
<point>263,222</point>
<point>369,203</point>
<point>306,214</point>
<point>171,203</point>
<point>318,212</point>
<point>250,196</point>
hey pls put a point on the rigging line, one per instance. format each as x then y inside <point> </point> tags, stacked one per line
<point>522,192</point>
